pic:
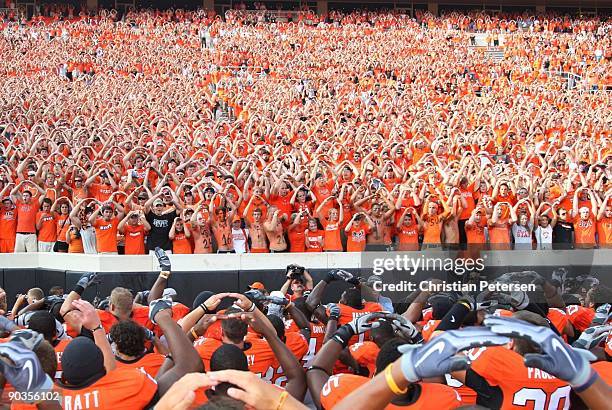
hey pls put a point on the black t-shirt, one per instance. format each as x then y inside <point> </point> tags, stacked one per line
<point>562,232</point>
<point>160,229</point>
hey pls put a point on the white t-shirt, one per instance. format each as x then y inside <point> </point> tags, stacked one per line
<point>240,237</point>
<point>544,237</point>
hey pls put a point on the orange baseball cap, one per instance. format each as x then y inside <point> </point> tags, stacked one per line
<point>257,285</point>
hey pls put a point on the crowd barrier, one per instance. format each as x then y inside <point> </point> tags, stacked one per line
<point>217,273</point>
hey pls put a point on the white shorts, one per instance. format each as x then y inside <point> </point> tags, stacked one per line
<point>45,246</point>
<point>26,242</point>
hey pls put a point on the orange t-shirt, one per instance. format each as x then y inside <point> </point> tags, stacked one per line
<point>26,216</point>
<point>48,228</point>
<point>140,315</point>
<point>584,231</point>
<point>356,237</point>
<point>106,234</point>
<point>604,232</point>
<point>315,240</point>
<point>332,236</point>
<point>134,239</point>
<point>408,237</point>
<point>260,357</point>
<point>181,244</point>
<point>8,224</point>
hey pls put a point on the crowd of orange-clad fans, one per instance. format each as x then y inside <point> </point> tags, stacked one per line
<point>345,132</point>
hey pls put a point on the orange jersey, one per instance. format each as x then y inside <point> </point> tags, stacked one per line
<point>317,334</point>
<point>260,358</point>
<point>59,350</point>
<point>580,316</point>
<point>348,313</point>
<point>559,320</point>
<point>124,389</point>
<point>365,354</point>
<point>422,396</point>
<point>520,387</point>
<point>604,369</point>
<point>149,363</point>
<point>140,315</point>
<point>296,342</point>
<point>429,328</point>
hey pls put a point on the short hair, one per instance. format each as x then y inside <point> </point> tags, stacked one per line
<point>522,346</point>
<point>56,290</point>
<point>106,208</point>
<point>383,333</point>
<point>122,299</point>
<point>234,330</point>
<point>352,298</point>
<point>129,338</point>
<point>278,324</point>
<point>228,357</point>
<point>388,353</point>
<point>36,293</point>
<point>43,322</point>
<point>219,401</point>
<point>47,358</point>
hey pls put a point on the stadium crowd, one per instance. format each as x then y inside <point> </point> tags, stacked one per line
<point>284,349</point>
<point>356,131</point>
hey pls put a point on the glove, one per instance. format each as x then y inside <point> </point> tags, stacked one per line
<point>28,338</point>
<point>104,304</point>
<point>519,299</point>
<point>334,311</point>
<point>157,306</point>
<point>356,326</point>
<point>277,300</point>
<point>26,373</point>
<point>149,335</point>
<point>592,337</point>
<point>255,296</point>
<point>163,259</point>
<point>437,357</point>
<point>340,274</point>
<point>405,328</point>
<point>557,357</point>
<point>87,279</point>
<point>602,314</point>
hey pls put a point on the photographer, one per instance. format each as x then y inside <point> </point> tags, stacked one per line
<point>298,280</point>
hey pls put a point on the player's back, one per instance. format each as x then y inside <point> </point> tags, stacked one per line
<point>502,381</point>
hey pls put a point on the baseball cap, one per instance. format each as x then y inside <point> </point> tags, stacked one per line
<point>168,292</point>
<point>236,218</point>
<point>7,198</point>
<point>257,285</point>
<point>158,202</point>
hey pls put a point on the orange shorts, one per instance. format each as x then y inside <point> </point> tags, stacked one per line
<point>7,245</point>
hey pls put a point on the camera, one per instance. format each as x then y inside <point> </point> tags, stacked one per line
<point>295,271</point>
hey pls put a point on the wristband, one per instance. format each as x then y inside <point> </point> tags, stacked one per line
<point>251,308</point>
<point>79,289</point>
<point>391,382</point>
<point>590,381</point>
<point>282,399</point>
<point>204,308</point>
<point>96,328</point>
